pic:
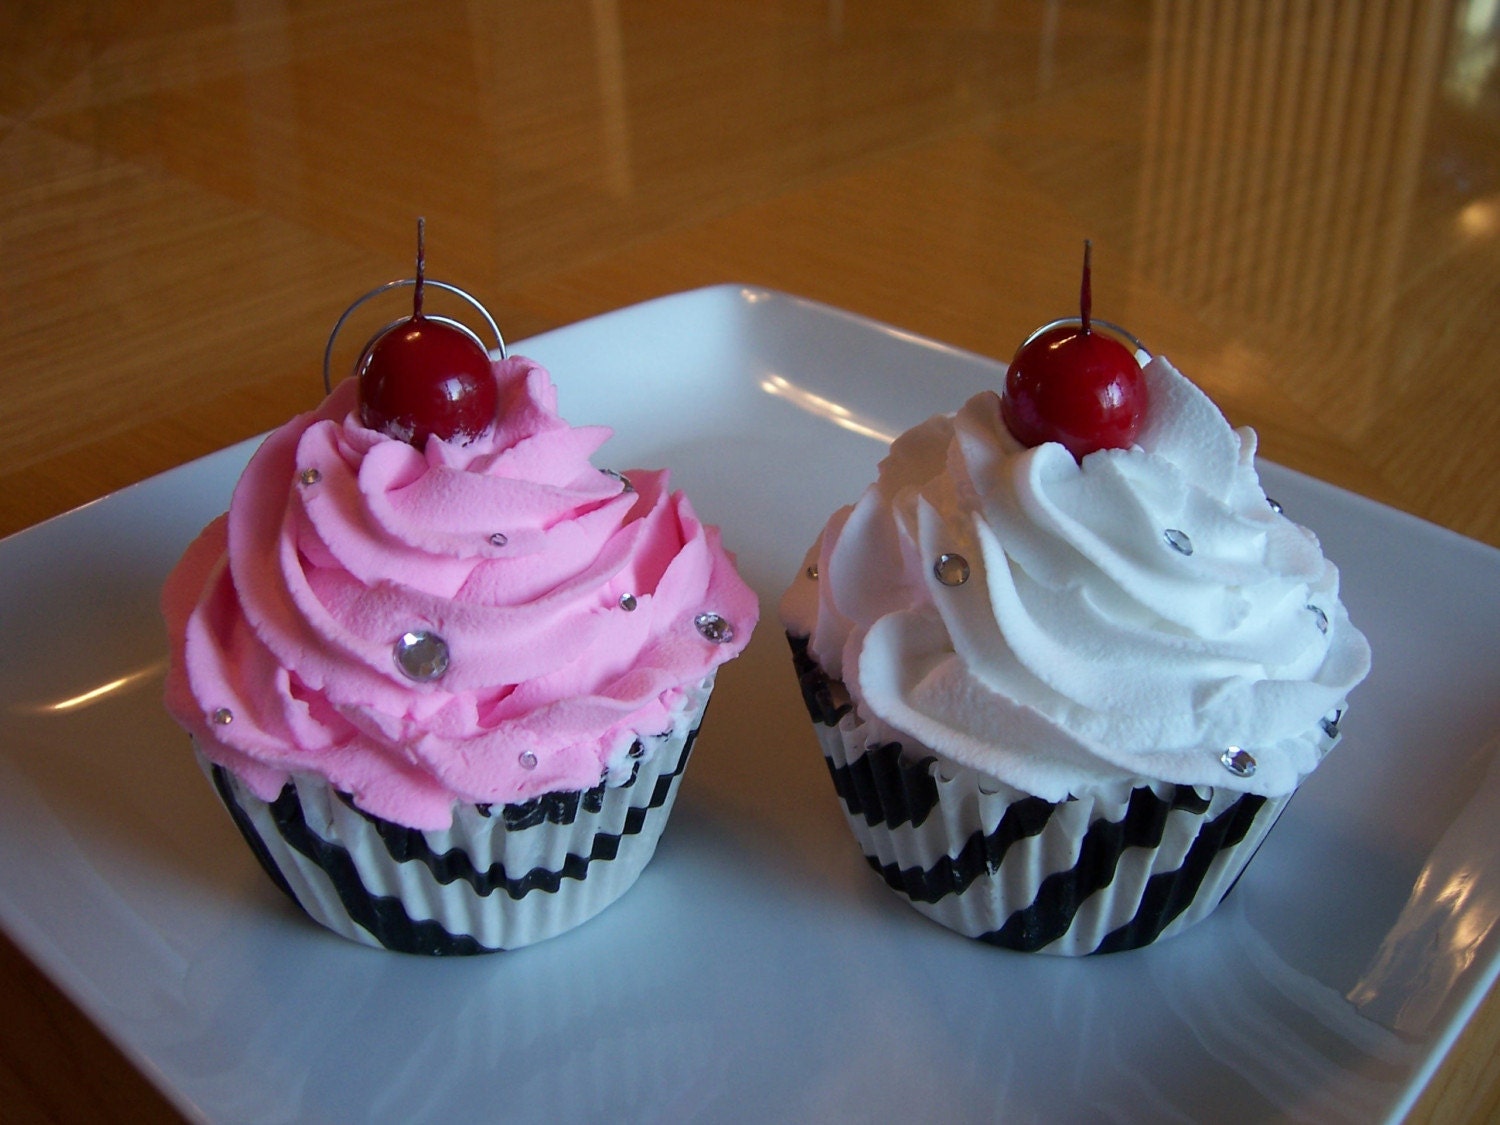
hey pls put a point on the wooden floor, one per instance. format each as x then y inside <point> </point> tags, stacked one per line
<point>1297,200</point>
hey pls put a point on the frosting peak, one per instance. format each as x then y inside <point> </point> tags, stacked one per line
<point>1129,616</point>
<point>513,551</point>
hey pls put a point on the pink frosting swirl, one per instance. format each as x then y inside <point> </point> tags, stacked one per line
<point>284,614</point>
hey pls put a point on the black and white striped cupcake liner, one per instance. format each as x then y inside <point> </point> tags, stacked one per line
<point>1111,871</point>
<point>1108,871</point>
<point>500,877</point>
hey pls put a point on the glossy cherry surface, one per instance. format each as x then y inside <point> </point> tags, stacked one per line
<point>426,377</point>
<point>1075,386</point>
<point>1081,389</point>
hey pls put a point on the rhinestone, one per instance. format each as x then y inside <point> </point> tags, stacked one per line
<point>622,478</point>
<point>714,628</point>
<point>951,570</point>
<point>1275,507</point>
<point>310,476</point>
<point>812,572</point>
<point>498,539</point>
<point>527,760</point>
<point>627,602</point>
<point>1239,762</point>
<point>421,656</point>
<point>1320,617</point>
<point>223,717</point>
<point>1178,541</point>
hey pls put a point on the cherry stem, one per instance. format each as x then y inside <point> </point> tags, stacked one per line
<point>1085,291</point>
<point>417,294</point>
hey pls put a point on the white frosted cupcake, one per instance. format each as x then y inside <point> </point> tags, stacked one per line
<point>1063,697</point>
<point>446,681</point>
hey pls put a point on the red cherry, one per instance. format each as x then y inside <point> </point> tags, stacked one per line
<point>424,377</point>
<point>1075,386</point>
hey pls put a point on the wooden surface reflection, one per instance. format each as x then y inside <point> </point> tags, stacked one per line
<point>1298,201</point>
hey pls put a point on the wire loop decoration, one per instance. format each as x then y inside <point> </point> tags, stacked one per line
<point>406,282</point>
<point>1139,348</point>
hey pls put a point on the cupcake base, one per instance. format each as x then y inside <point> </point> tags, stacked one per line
<point>1108,872</point>
<point>500,877</point>
<point>1101,872</point>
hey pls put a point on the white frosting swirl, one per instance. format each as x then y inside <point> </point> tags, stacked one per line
<point>1085,648</point>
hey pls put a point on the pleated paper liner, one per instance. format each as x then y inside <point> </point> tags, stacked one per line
<point>500,877</point>
<point>1107,872</point>
<point>1111,870</point>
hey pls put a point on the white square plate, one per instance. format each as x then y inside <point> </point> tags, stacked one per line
<point>759,971</point>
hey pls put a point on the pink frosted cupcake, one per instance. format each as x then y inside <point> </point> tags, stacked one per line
<point>446,686</point>
<point>1066,681</point>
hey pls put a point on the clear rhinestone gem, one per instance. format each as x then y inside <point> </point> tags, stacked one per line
<point>527,760</point>
<point>622,478</point>
<point>421,656</point>
<point>310,476</point>
<point>1239,762</point>
<point>1275,507</point>
<point>223,717</point>
<point>1178,541</point>
<point>951,570</point>
<point>499,539</point>
<point>812,572</point>
<point>1320,617</point>
<point>714,628</point>
<point>628,602</point>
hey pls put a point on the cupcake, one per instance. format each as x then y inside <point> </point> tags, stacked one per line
<point>1066,661</point>
<point>444,673</point>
